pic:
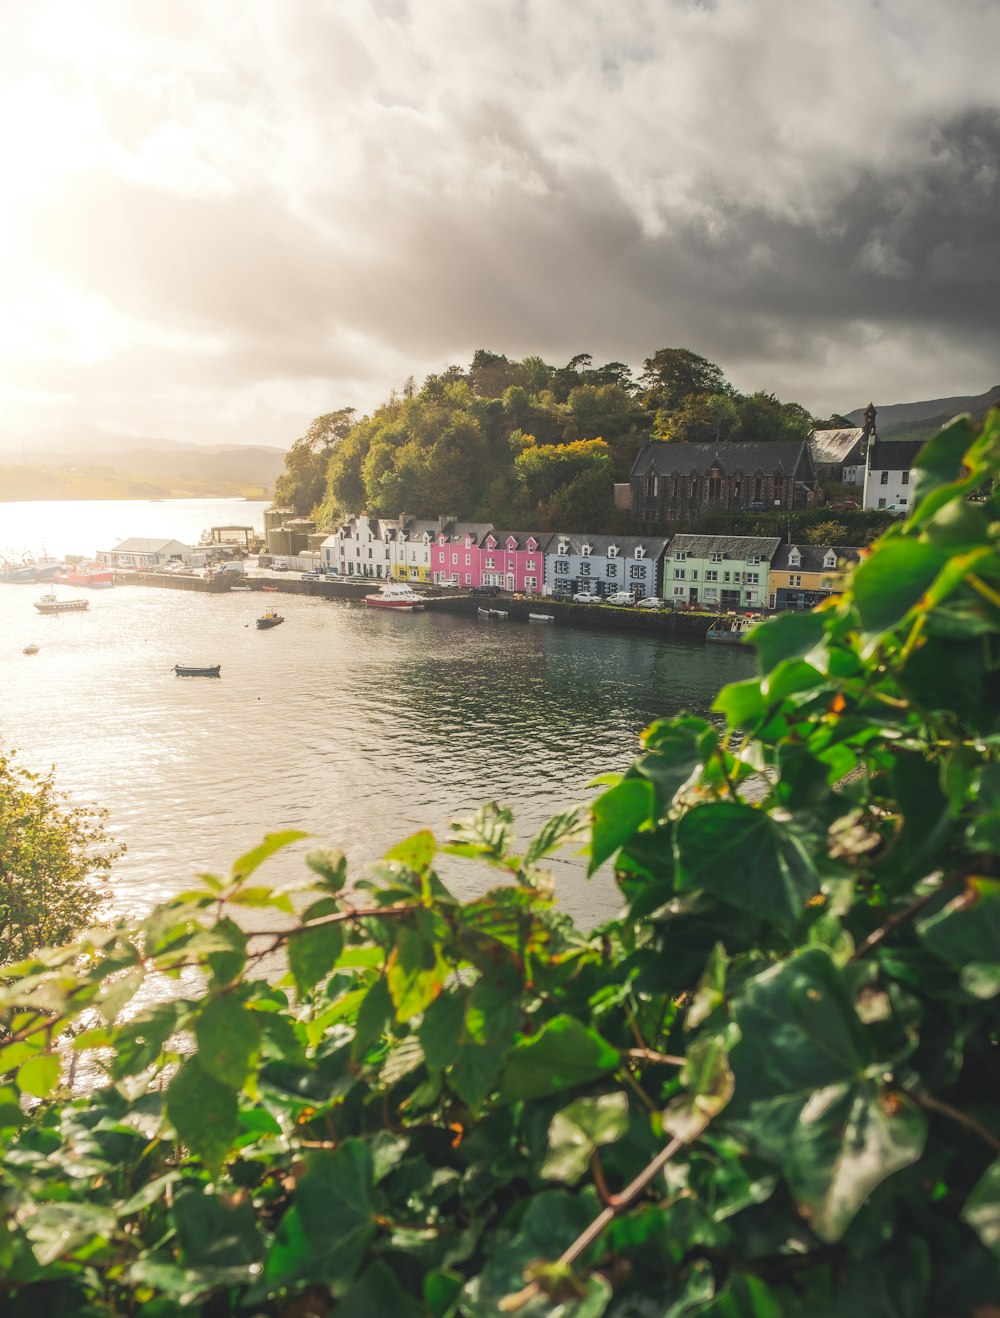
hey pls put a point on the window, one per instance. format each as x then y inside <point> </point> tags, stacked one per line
<point>612,551</point>
<point>563,547</point>
<point>679,574</point>
<point>794,580</point>
<point>883,478</point>
<point>715,558</point>
<point>714,488</point>
<point>710,593</point>
<point>530,583</point>
<point>694,574</point>
<point>489,562</point>
<point>640,551</point>
<point>562,566</point>
<point>753,558</point>
<point>725,576</point>
<point>612,570</point>
<point>711,575</point>
<point>779,487</point>
<point>468,559</point>
<point>585,551</point>
<point>680,555</point>
<point>637,571</point>
<point>529,564</point>
<point>584,569</point>
<point>468,578</point>
<point>881,503</point>
<point>679,591</point>
<point>751,576</point>
<point>905,478</point>
<point>675,487</point>
<point>826,583</point>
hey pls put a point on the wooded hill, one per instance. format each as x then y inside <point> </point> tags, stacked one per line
<point>521,443</point>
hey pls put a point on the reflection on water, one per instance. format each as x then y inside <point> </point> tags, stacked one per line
<point>353,724</point>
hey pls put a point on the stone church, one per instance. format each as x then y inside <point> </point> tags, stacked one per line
<point>676,482</point>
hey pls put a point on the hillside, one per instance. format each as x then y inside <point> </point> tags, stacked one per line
<point>922,420</point>
<point>24,482</point>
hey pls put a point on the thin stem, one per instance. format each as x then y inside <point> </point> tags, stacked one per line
<point>651,1055</point>
<point>962,1118</point>
<point>878,935</point>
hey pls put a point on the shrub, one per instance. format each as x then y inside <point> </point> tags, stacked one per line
<point>770,1087</point>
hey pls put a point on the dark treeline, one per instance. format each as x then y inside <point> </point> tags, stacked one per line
<point>521,443</point>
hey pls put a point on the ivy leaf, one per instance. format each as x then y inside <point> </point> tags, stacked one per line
<point>251,860</point>
<point>888,584</point>
<point>415,852</point>
<point>312,953</point>
<point>228,1037</point>
<point>739,854</point>
<point>204,1113</point>
<point>967,931</point>
<point>982,1208</point>
<point>709,1084</point>
<point>617,815</point>
<point>580,1128</point>
<point>562,1054</point>
<point>323,1237</point>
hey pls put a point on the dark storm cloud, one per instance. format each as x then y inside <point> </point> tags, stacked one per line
<point>243,215</point>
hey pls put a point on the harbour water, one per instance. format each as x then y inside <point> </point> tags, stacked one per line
<point>356,725</point>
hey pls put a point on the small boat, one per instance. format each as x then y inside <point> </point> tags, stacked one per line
<point>269,619</point>
<point>541,617</point>
<point>397,595</point>
<point>192,670</point>
<point>732,631</point>
<point>50,604</point>
<point>30,649</point>
<point>232,588</point>
<point>272,589</point>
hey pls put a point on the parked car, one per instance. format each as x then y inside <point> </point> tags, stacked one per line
<point>620,597</point>
<point>651,602</point>
<point>585,597</point>
<point>754,507</point>
<point>484,590</point>
<point>279,567</point>
<point>312,574</point>
<point>844,506</point>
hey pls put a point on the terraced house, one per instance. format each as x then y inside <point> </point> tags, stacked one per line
<point>804,575</point>
<point>513,560</point>
<point>603,564</point>
<point>718,571</point>
<point>455,557</point>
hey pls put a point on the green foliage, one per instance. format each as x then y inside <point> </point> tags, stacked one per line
<point>53,858</point>
<point>769,1087</point>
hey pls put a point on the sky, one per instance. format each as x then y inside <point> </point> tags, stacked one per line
<point>221,218</point>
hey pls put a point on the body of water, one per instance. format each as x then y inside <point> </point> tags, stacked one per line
<point>357,725</point>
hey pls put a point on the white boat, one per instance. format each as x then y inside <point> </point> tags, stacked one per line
<point>396,595</point>
<point>492,613</point>
<point>541,617</point>
<point>733,631</point>
<point>50,604</point>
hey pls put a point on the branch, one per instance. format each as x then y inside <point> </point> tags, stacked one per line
<point>962,1118</point>
<point>878,935</point>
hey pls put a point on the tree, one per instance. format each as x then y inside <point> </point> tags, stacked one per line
<point>53,858</point>
<point>673,374</point>
<point>768,1087</point>
<point>302,484</point>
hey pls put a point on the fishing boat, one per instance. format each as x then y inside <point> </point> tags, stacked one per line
<point>732,631</point>
<point>50,604</point>
<point>96,575</point>
<point>269,619</point>
<point>193,670</point>
<point>396,595</point>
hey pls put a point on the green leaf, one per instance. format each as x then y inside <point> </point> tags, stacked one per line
<point>39,1075</point>
<point>487,833</point>
<point>227,966</point>
<point>228,1037</point>
<point>204,1113</point>
<point>562,1054</point>
<point>260,896</point>
<point>214,1232</point>
<point>888,584</point>
<point>324,1236</point>
<point>742,703</point>
<point>787,636</point>
<point>570,826</point>
<point>967,930</point>
<point>742,856</point>
<point>618,814</point>
<point>415,973</point>
<point>474,1073</point>
<point>942,458</point>
<point>708,1083</point>
<point>580,1128</point>
<point>330,864</point>
<point>415,852</point>
<point>441,1290</point>
<point>442,1029</point>
<point>251,860</point>
<point>982,1208</point>
<point>312,953</point>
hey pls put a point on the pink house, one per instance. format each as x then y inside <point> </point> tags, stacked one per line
<point>455,554</point>
<point>514,560</point>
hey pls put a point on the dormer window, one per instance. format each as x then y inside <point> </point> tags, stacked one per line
<point>532,544</point>
<point>490,542</point>
<point>716,557</point>
<point>612,551</point>
<point>680,555</point>
<point>585,550</point>
<point>753,558</point>
<point>511,543</point>
<point>563,547</point>
<point>794,558</point>
<point>640,552</point>
<point>830,559</point>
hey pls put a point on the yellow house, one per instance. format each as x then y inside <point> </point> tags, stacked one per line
<point>804,575</point>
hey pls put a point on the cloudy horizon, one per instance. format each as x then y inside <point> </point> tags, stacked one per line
<point>221,220</point>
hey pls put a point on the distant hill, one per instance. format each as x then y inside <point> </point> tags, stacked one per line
<point>161,463</point>
<point>921,420</point>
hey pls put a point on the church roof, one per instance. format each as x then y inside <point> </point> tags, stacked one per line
<point>746,456</point>
<point>834,447</point>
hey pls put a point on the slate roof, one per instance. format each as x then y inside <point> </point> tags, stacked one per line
<point>521,537</point>
<point>812,557</point>
<point>894,455</point>
<point>834,447</point>
<point>738,456</point>
<point>455,532</point>
<point>600,544</point>
<point>140,545</point>
<point>731,546</point>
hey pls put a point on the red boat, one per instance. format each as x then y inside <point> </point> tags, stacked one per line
<point>395,596</point>
<point>87,574</point>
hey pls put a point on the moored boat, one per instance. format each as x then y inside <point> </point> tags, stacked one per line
<point>396,595</point>
<point>541,617</point>
<point>194,670</point>
<point>733,631</point>
<point>269,619</point>
<point>50,604</point>
<point>86,574</point>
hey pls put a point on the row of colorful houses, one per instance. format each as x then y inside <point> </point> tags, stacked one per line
<point>714,571</point>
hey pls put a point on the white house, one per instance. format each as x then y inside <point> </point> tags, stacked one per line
<point>358,548</point>
<point>889,474</point>
<point>137,552</point>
